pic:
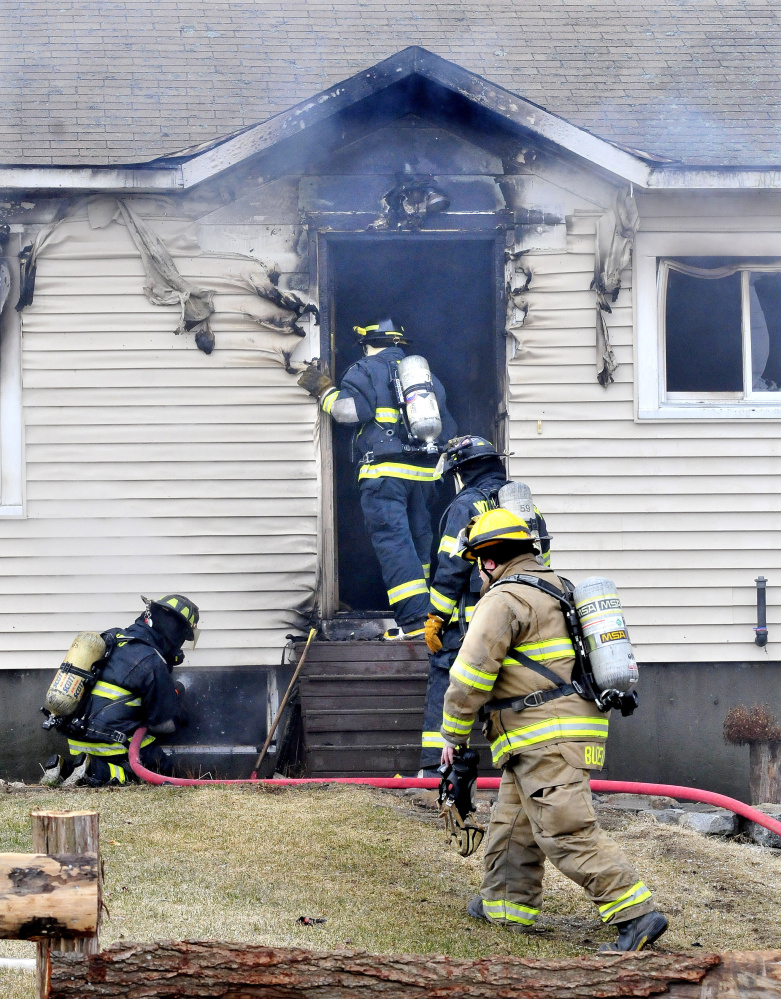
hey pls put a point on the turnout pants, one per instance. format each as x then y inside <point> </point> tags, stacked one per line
<point>439,664</point>
<point>544,810</point>
<point>116,770</point>
<point>398,521</point>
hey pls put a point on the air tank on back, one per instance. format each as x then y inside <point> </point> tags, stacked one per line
<point>517,498</point>
<point>611,659</point>
<point>420,401</point>
<point>68,687</point>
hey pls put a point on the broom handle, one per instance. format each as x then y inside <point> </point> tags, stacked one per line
<point>285,699</point>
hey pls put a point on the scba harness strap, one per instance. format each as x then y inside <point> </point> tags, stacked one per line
<point>78,726</point>
<point>582,686</point>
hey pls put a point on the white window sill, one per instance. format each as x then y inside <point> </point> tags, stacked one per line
<point>12,511</point>
<point>699,411</point>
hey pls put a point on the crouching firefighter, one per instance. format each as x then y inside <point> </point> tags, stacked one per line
<point>480,474</point>
<point>546,733</point>
<point>113,683</point>
<point>399,409</point>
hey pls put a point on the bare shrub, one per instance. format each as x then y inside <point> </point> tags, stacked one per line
<point>754,724</point>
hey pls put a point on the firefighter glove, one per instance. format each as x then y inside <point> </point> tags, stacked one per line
<point>456,802</point>
<point>433,627</point>
<point>314,381</point>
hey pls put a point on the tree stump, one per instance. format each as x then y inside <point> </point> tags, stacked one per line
<point>765,772</point>
<point>65,832</point>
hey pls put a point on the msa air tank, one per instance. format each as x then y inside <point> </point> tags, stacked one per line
<point>419,400</point>
<point>611,659</point>
<point>69,685</point>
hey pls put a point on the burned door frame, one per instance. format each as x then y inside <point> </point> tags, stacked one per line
<point>322,276</point>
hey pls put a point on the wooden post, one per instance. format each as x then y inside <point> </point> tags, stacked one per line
<point>765,772</point>
<point>65,832</point>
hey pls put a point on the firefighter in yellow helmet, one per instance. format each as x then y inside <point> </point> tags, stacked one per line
<point>517,663</point>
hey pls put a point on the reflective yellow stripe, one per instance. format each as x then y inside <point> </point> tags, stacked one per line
<point>102,748</point>
<point>545,731</point>
<point>510,912</point>
<point>468,612</point>
<point>442,603</point>
<point>457,725</point>
<point>405,590</point>
<point>472,677</point>
<point>112,693</point>
<point>553,648</point>
<point>432,740</point>
<point>417,473</point>
<point>546,558</point>
<point>427,570</point>
<point>447,544</point>
<point>117,773</point>
<point>328,400</point>
<point>637,893</point>
<point>384,414</point>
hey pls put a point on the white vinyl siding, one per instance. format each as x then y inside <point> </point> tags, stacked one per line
<point>681,515</point>
<point>152,467</point>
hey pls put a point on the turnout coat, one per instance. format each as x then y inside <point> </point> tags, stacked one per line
<point>513,622</point>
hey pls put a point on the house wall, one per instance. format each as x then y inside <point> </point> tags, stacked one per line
<point>681,515</point>
<point>152,467</point>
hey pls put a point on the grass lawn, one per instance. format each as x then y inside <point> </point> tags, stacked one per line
<point>246,863</point>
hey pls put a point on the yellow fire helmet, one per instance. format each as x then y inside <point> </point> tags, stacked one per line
<point>489,529</point>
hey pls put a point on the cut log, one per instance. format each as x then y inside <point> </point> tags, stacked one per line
<point>243,971</point>
<point>45,896</point>
<point>57,832</point>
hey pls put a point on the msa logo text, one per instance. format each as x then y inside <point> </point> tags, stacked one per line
<point>595,756</point>
<point>608,603</point>
<point>612,636</point>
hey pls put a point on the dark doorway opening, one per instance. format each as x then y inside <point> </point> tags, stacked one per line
<point>446,292</point>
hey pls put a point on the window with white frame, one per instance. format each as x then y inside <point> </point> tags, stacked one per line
<point>708,333</point>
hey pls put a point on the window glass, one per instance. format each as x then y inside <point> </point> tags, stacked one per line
<point>704,341</point>
<point>765,308</point>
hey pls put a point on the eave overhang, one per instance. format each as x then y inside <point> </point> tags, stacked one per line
<point>184,171</point>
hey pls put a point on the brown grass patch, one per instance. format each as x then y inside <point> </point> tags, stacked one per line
<point>244,864</point>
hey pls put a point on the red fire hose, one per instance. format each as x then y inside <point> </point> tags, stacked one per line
<point>483,784</point>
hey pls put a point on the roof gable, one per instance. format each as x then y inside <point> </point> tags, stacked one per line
<point>412,81</point>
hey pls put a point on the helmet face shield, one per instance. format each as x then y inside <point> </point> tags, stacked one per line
<point>196,634</point>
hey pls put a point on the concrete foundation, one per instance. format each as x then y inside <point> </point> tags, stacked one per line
<point>674,737</point>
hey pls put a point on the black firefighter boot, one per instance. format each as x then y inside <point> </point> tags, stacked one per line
<point>635,934</point>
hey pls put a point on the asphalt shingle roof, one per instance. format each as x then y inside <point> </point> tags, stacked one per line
<point>123,82</point>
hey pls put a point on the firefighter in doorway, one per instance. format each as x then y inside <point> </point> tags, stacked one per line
<point>455,586</point>
<point>395,476</point>
<point>516,663</point>
<point>134,688</point>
